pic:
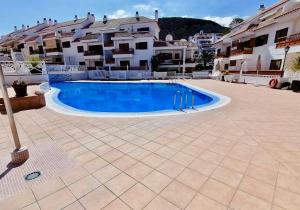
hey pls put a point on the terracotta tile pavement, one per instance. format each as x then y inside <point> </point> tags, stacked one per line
<point>242,156</point>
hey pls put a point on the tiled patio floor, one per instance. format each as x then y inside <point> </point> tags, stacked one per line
<point>243,156</point>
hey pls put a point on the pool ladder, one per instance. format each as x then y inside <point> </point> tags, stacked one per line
<point>181,95</point>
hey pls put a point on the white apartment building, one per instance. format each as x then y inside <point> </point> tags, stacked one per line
<point>115,44</point>
<point>205,41</point>
<point>258,44</point>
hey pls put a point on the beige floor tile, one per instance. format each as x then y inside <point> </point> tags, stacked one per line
<point>97,199</point>
<point>120,184</point>
<point>138,196</point>
<point>258,189</point>
<point>160,203</point>
<point>139,171</point>
<point>234,164</point>
<point>95,165</point>
<point>117,204</point>
<point>139,153</point>
<point>106,173</point>
<point>18,201</point>
<point>74,206</point>
<point>152,146</point>
<point>58,200</point>
<point>203,166</point>
<point>102,149</point>
<point>286,199</point>
<point>244,201</point>
<point>178,194</point>
<point>211,157</point>
<point>156,181</point>
<point>192,179</point>
<point>171,168</point>
<point>262,174</point>
<point>182,158</point>
<point>127,148</point>
<point>288,182</point>
<point>112,155</point>
<point>217,191</point>
<point>33,206</point>
<point>73,175</point>
<point>93,144</point>
<point>84,186</point>
<point>192,150</point>
<point>201,202</point>
<point>227,176</point>
<point>165,152</point>
<point>178,145</point>
<point>124,162</point>
<point>153,160</point>
<point>49,187</point>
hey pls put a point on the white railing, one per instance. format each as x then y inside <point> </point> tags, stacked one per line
<point>64,68</point>
<point>23,67</point>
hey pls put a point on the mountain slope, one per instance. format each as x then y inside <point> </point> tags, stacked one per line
<point>182,28</point>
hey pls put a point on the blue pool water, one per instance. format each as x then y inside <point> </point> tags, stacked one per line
<point>128,97</point>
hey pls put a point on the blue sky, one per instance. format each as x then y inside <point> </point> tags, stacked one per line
<point>18,12</point>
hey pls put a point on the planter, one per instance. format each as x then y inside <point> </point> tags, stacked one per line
<point>20,90</point>
<point>36,70</point>
<point>296,86</point>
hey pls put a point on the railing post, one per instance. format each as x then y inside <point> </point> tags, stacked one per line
<point>19,155</point>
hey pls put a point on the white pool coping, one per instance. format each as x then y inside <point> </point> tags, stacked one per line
<point>56,105</point>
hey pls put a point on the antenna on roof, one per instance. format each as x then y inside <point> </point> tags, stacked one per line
<point>15,28</point>
<point>156,15</point>
<point>76,18</point>
<point>37,22</point>
<point>137,16</point>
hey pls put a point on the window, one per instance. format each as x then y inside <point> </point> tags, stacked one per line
<point>226,67</point>
<point>80,49</point>
<point>141,46</point>
<point>66,44</point>
<point>177,56</point>
<point>275,64</point>
<point>143,62</point>
<point>261,40</point>
<point>98,63</point>
<point>281,35</point>
<point>125,63</point>
<point>30,49</point>
<point>233,63</point>
<point>82,63</point>
<point>143,29</point>
<point>58,60</point>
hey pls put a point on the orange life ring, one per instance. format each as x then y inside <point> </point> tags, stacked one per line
<point>273,83</point>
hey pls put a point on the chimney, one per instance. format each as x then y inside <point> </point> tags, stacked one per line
<point>55,22</point>
<point>27,26</point>
<point>37,22</point>
<point>88,15</point>
<point>76,18</point>
<point>23,27</point>
<point>156,15</point>
<point>50,22</point>
<point>45,20</point>
<point>137,16</point>
<point>15,28</point>
<point>104,19</point>
<point>261,8</point>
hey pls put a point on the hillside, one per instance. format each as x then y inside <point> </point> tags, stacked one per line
<point>182,28</point>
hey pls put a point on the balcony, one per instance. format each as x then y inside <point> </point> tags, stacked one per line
<point>36,52</point>
<point>93,54</point>
<point>53,51</point>
<point>222,55</point>
<point>245,51</point>
<point>289,41</point>
<point>108,43</point>
<point>123,53</point>
<point>110,61</point>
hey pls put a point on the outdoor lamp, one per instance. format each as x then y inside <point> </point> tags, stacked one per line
<point>286,50</point>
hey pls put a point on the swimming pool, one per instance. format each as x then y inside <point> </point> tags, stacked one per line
<point>128,98</point>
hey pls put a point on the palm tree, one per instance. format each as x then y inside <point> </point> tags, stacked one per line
<point>205,58</point>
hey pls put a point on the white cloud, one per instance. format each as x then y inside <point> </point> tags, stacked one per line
<point>143,7</point>
<point>119,14</point>
<point>224,21</point>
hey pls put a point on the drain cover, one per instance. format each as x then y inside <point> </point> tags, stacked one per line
<point>33,175</point>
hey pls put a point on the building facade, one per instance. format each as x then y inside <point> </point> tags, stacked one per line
<point>205,41</point>
<point>126,43</point>
<point>259,44</point>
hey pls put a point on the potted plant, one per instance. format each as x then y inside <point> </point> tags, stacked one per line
<point>296,68</point>
<point>35,69</point>
<point>20,88</point>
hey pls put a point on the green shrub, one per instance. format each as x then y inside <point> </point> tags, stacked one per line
<point>296,64</point>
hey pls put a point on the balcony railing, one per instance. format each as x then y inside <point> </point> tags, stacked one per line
<point>222,55</point>
<point>123,51</point>
<point>36,52</point>
<point>16,50</point>
<point>176,62</point>
<point>110,61</point>
<point>108,43</point>
<point>52,50</point>
<point>289,41</point>
<point>91,53</point>
<point>245,51</point>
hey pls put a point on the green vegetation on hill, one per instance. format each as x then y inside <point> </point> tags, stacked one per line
<point>182,28</point>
